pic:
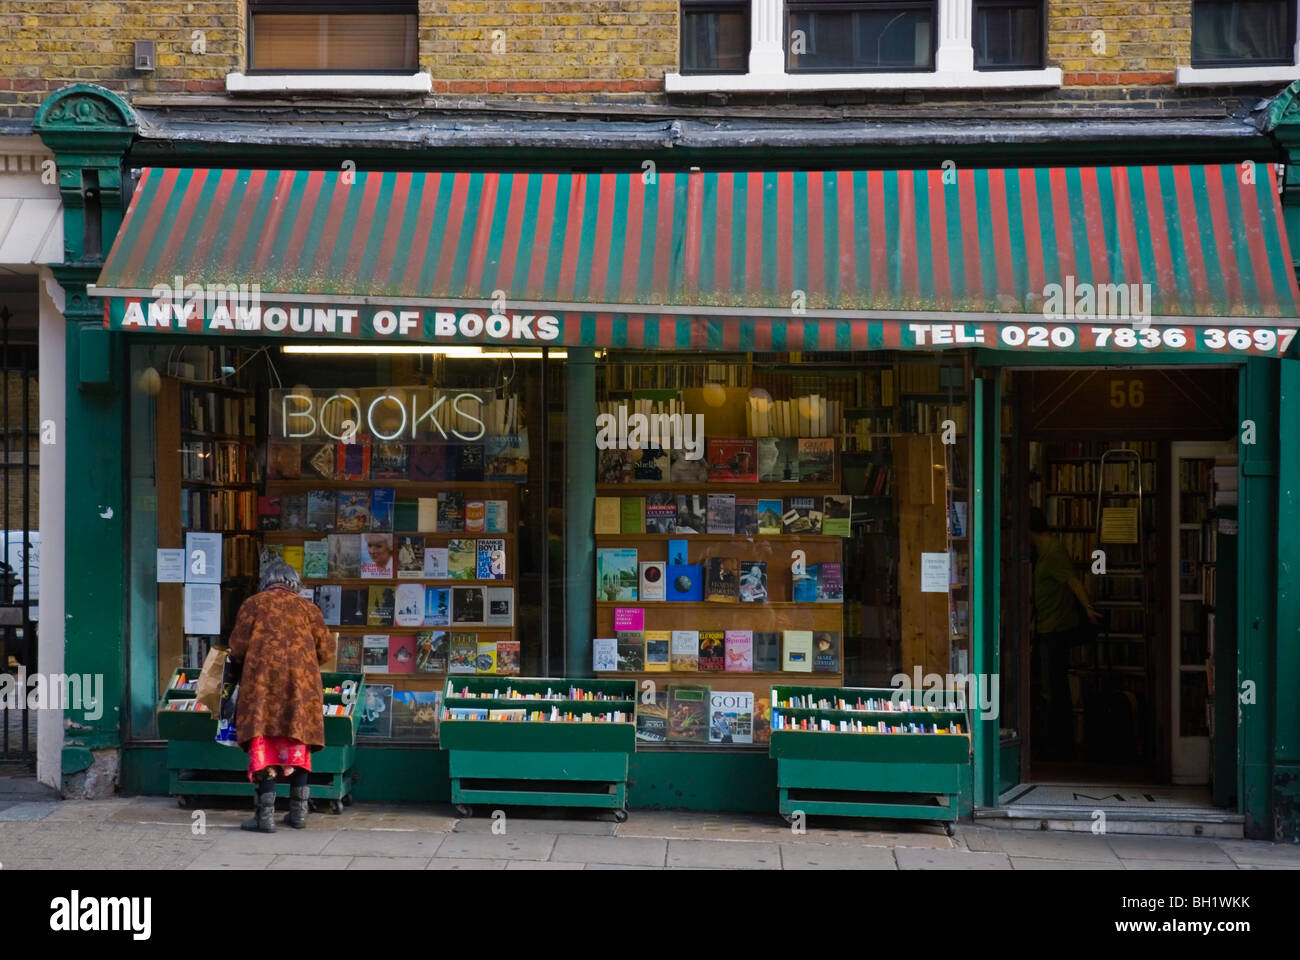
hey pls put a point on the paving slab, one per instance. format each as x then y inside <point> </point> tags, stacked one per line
<point>1175,865</point>
<point>1045,845</point>
<point>1131,847</point>
<point>724,854</point>
<point>809,856</point>
<point>1036,863</point>
<point>633,851</point>
<point>28,811</point>
<point>544,865</point>
<point>298,861</point>
<point>231,861</point>
<point>452,863</point>
<point>619,866</point>
<point>284,840</point>
<point>383,843</point>
<point>389,863</point>
<point>910,858</point>
<point>485,846</point>
<point>1261,852</point>
<point>483,823</point>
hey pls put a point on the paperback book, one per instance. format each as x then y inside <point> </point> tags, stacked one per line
<point>408,610</point>
<point>505,458</point>
<point>740,650</point>
<point>389,460</point>
<point>685,650</point>
<point>376,556</point>
<point>348,654</point>
<point>614,466</point>
<point>268,513</point>
<point>713,650</point>
<point>462,652</point>
<point>692,513</point>
<point>746,517</point>
<point>491,559</point>
<point>652,586</point>
<point>321,505</point>
<point>651,465</point>
<point>375,719</point>
<point>688,713</point>
<point>451,512</point>
<point>604,654</point>
<point>496,516</point>
<point>767,651</point>
<point>778,460</point>
<point>500,606</point>
<point>616,574</point>
<point>383,502</point>
<point>722,580</point>
<point>658,645</point>
<point>317,461</point>
<point>431,651</point>
<point>508,658</point>
<point>283,461</point>
<point>837,513</point>
<point>816,460</point>
<point>682,469</point>
<point>826,651</point>
<point>652,718</point>
<point>720,515</point>
<point>631,515</point>
<point>769,517</point>
<point>429,463</point>
<point>374,653</point>
<point>329,598</point>
<point>631,651</point>
<point>732,460</point>
<point>660,513</point>
<point>344,560</point>
<point>472,463</point>
<point>353,605</point>
<point>401,654</point>
<point>415,714</point>
<point>293,511</point>
<point>437,606</point>
<point>685,582</point>
<point>462,559</point>
<point>485,656</point>
<point>475,516</point>
<point>731,716</point>
<point>410,556</point>
<point>436,563</point>
<point>352,511</point>
<point>753,581</point>
<point>798,647</point>
<point>830,581</point>
<point>379,606</point>
<point>802,515</point>
<point>607,515</point>
<point>352,461</point>
<point>315,559</point>
<point>468,606</point>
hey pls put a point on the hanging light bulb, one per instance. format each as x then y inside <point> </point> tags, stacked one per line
<point>149,381</point>
<point>715,395</point>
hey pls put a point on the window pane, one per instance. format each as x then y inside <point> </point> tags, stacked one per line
<point>1007,36</point>
<point>334,41</point>
<point>867,38</point>
<point>1254,33</point>
<point>714,41</point>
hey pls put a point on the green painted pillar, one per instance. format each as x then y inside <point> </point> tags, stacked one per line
<point>1286,666</point>
<point>579,510</point>
<point>986,573</point>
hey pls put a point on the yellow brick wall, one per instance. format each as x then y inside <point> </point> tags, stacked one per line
<point>1141,43</point>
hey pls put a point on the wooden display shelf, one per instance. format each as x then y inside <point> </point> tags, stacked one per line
<point>375,628</point>
<point>760,491</point>
<point>767,617</point>
<point>215,387</point>
<point>292,536</point>
<point>354,582</point>
<point>310,483</point>
<point>724,537</point>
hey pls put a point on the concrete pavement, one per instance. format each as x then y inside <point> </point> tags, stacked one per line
<point>153,833</point>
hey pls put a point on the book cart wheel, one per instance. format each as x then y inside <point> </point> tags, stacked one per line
<point>184,800</point>
<point>465,810</point>
<point>347,801</point>
<point>949,829</point>
<point>336,807</point>
<point>620,816</point>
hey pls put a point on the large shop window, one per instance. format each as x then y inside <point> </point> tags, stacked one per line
<point>849,35</point>
<point>333,36</point>
<point>1255,33</point>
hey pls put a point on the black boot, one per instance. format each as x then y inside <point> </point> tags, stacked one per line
<point>299,802</point>
<point>263,819</point>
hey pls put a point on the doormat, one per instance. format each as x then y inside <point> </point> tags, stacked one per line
<point>1128,795</point>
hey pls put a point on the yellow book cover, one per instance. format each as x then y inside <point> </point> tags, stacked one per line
<point>657,647</point>
<point>607,515</point>
<point>293,557</point>
<point>486,661</point>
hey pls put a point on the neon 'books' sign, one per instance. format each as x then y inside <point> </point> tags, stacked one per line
<point>386,414</point>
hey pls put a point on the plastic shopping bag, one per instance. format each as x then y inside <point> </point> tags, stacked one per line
<point>229,705</point>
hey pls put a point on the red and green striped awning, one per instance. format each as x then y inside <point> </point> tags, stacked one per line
<point>728,260</point>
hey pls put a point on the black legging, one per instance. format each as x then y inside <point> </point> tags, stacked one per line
<point>266,782</point>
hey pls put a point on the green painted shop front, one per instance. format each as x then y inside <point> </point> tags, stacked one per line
<point>93,135</point>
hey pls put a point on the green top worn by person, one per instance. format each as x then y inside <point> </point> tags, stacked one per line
<point>1056,584</point>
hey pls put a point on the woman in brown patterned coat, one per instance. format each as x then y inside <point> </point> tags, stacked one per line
<point>281,640</point>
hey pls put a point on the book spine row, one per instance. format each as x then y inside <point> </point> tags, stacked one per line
<point>823,725</point>
<point>219,511</point>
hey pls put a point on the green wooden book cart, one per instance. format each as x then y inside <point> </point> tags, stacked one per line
<point>198,766</point>
<point>551,764</point>
<point>914,776</point>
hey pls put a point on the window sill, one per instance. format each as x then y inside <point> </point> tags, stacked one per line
<point>795,82</point>
<point>1233,76</point>
<point>371,84</point>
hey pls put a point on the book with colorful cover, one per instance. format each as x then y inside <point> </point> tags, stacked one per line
<point>344,562</point>
<point>763,719</point>
<point>436,563</point>
<point>830,582</point>
<point>837,515</point>
<point>688,713</point>
<point>468,606</point>
<point>682,469</point>
<point>653,581</point>
<point>778,460</point>
<point>431,651</point>
<point>348,655</point>
<point>746,517</point>
<point>616,574</point>
<point>614,466</point>
<point>379,606</point>
<point>797,649</point>
<point>415,713</point>
<point>720,514</point>
<point>353,461</point>
<point>731,716</point>
<point>491,560</point>
<point>410,556</point>
<point>684,582</point>
<point>376,556</point>
<point>401,654</point>
<point>658,651</point>
<point>485,656</point>
<point>374,653</point>
<point>660,513</point>
<point>629,618</point>
<point>650,465</point>
<point>722,580</point>
<point>437,606</point>
<point>462,559</point>
<point>500,607</point>
<point>692,513</point>
<point>382,509</point>
<point>408,609</point>
<point>329,598</point>
<point>352,511</point>
<point>732,459</point>
<point>826,651</point>
<point>957,526</point>
<point>607,515</point>
<point>321,506</point>
<point>753,581</point>
<point>508,658</point>
<point>389,460</point>
<point>652,718</point>
<point>684,653</point>
<point>631,515</point>
<point>270,552</point>
<point>506,458</point>
<point>496,516</point>
<point>475,516</point>
<point>804,586</point>
<point>353,604</point>
<point>769,517</point>
<point>293,556</point>
<point>293,511</point>
<point>713,650</point>
<point>740,650</point>
<point>315,559</point>
<point>317,461</point>
<point>816,460</point>
<point>767,651</point>
<point>283,461</point>
<point>802,515</point>
<point>451,512</point>
<point>268,513</point>
<point>375,717</point>
<point>679,552</point>
<point>462,652</point>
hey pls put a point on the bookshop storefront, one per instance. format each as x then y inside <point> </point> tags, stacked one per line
<point>714,432</point>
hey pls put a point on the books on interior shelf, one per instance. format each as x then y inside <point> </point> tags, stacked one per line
<point>607,515</point>
<point>753,581</point>
<point>732,459</point>
<point>685,582</point>
<point>802,515</point>
<point>816,460</point>
<point>631,515</point>
<point>344,559</point>
<point>778,460</point>
<point>684,650</point>
<point>468,606</point>
<point>769,517</point>
<point>401,654</point>
<point>491,559</point>
<point>720,514</point>
<point>408,605</point>
<point>826,651</point>
<point>315,559</point>
<point>746,517</point>
<point>496,516</point>
<point>410,557</point>
<point>713,652</point>
<point>348,654</point>
<point>658,644</point>
<point>683,469</point>
<point>376,715</point>
<point>389,460</point>
<point>376,556</point>
<point>321,510</point>
<point>352,511</point>
<point>462,651</point>
<point>652,718</point>
<point>660,513</point>
<point>739,650</point>
<point>431,651</point>
<point>451,511</point>
<point>436,563</point>
<point>830,581</point>
<point>415,713</point>
<point>353,605</point>
<point>462,559</point>
<point>798,650</point>
<point>722,580</point>
<point>692,513</point>
<point>500,607</point>
<point>837,514</point>
<point>485,657</point>
<point>328,597</point>
<point>767,651</point>
<point>437,606</point>
<point>604,654</point>
<point>374,653</point>
<point>652,586</point>
<point>379,606</point>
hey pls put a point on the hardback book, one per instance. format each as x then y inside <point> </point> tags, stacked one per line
<point>415,713</point>
<point>374,653</point>
<point>740,650</point>
<point>315,559</point>
<point>798,646</point>
<point>320,509</point>
<point>410,556</point>
<point>753,581</point>
<point>344,561</point>
<point>650,465</point>
<point>429,463</point>
<point>692,513</point>
<point>293,556</point>
<point>491,564</point>
<point>437,606</point>
<point>485,656</point>
<point>722,580</point>
<point>732,460</point>
<point>767,651</point>
<point>804,587</point>
<point>283,461</point>
<point>614,466</point>
<point>376,556</point>
<point>352,511</point>
<point>426,516</point>
<point>629,619</point>
<point>763,718</point>
<point>348,654</point>
<point>684,653</point>
<point>352,461</point>
<point>353,605</point>
<point>389,460</point>
<point>769,516</point>
<point>408,610</point>
<point>616,574</point>
<point>731,716</point>
<point>837,513</point>
<point>816,460</point>
<point>383,501</point>
<point>329,598</point>
<point>500,606</point>
<point>505,457</point>
<point>778,460</point>
<point>713,650</point>
<point>631,515</point>
<point>379,606</point>
<point>679,552</point>
<point>720,513</point>
<point>658,644</point>
<point>406,512</point>
<point>436,563</point>
<point>451,512</point>
<point>607,515</point>
<point>957,518</point>
<point>653,583</point>
<point>462,559</point>
<point>652,718</point>
<point>431,651</point>
<point>496,516</point>
<point>830,581</point>
<point>826,651</point>
<point>293,511</point>
<point>802,515</point>
<point>746,517</point>
<point>468,606</point>
<point>508,658</point>
<point>688,713</point>
<point>471,463</point>
<point>462,651</point>
<point>401,654</point>
<point>604,654</point>
<point>375,718</point>
<point>268,513</point>
<point>475,516</point>
<point>317,461</point>
<point>631,651</point>
<point>660,513</point>
<point>682,469</point>
<point>684,582</point>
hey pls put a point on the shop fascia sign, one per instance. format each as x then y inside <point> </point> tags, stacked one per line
<point>301,418</point>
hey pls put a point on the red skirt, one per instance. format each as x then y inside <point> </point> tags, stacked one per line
<point>266,752</point>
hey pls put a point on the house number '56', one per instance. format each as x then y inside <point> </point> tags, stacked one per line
<point>1126,393</point>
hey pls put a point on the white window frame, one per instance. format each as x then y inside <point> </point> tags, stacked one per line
<point>371,84</point>
<point>1190,76</point>
<point>954,63</point>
